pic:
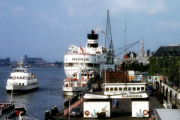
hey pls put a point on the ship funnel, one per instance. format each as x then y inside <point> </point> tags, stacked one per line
<point>92,40</point>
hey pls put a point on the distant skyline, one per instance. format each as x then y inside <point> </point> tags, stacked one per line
<point>45,28</point>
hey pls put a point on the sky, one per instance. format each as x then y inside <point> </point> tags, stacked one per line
<point>45,28</point>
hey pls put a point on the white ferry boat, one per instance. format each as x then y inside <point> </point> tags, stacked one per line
<point>91,56</point>
<point>80,81</point>
<point>21,81</point>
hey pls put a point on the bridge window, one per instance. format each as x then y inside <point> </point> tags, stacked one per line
<point>134,88</point>
<point>107,89</point>
<point>129,88</point>
<point>115,89</point>
<point>142,88</point>
<point>111,88</point>
<point>138,88</point>
<point>120,88</point>
<point>125,88</point>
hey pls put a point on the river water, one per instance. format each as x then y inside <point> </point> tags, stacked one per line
<point>48,95</point>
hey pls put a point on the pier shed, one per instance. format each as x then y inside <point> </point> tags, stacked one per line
<point>167,114</point>
<point>140,107</point>
<point>97,106</point>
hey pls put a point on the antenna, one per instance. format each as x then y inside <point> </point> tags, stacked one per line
<point>125,34</point>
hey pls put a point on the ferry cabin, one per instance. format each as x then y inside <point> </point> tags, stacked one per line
<point>21,77</point>
<point>122,88</point>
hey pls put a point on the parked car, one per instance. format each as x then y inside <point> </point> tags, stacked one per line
<point>76,111</point>
<point>150,90</point>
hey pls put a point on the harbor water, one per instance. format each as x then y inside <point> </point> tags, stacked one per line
<point>48,95</point>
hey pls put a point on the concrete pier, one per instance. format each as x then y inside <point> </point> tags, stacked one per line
<point>122,111</point>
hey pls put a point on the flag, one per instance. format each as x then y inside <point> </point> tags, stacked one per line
<point>81,49</point>
<point>125,56</point>
<point>103,32</point>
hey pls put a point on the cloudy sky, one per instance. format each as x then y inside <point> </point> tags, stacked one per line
<point>45,28</point>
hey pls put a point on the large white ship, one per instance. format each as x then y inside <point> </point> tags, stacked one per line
<point>91,57</point>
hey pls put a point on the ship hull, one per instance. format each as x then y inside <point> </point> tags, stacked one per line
<point>16,88</point>
<point>76,90</point>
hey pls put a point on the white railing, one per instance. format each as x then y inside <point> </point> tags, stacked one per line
<point>169,88</point>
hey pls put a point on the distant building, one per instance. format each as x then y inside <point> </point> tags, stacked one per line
<point>32,60</point>
<point>163,60</point>
<point>143,55</point>
<point>131,57</point>
<point>5,61</point>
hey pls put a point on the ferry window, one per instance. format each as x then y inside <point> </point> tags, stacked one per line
<point>111,88</point>
<point>134,88</point>
<point>142,88</point>
<point>129,88</point>
<point>66,59</point>
<point>120,89</point>
<point>125,88</point>
<point>73,75</point>
<point>107,89</point>
<point>115,89</point>
<point>138,88</point>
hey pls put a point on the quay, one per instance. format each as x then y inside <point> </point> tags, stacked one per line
<point>123,110</point>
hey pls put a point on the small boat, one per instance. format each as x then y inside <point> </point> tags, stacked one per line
<point>81,81</point>
<point>20,80</point>
<point>6,109</point>
<point>20,109</point>
<point>26,66</point>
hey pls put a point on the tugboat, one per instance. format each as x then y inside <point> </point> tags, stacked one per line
<point>20,80</point>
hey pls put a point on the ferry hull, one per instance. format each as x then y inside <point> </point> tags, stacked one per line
<point>20,88</point>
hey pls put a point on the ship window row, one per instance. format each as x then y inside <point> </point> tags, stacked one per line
<point>80,59</point>
<point>22,77</point>
<point>86,64</point>
<point>124,89</point>
<point>19,71</point>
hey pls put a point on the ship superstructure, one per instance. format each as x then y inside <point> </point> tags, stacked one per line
<point>89,57</point>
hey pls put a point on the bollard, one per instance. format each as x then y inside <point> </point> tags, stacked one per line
<point>160,86</point>
<point>166,94</point>
<point>47,115</point>
<point>170,95</point>
<point>53,112</point>
<point>56,109</point>
<point>163,90</point>
<point>175,99</point>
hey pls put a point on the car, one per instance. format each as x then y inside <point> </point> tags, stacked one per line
<point>76,111</point>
